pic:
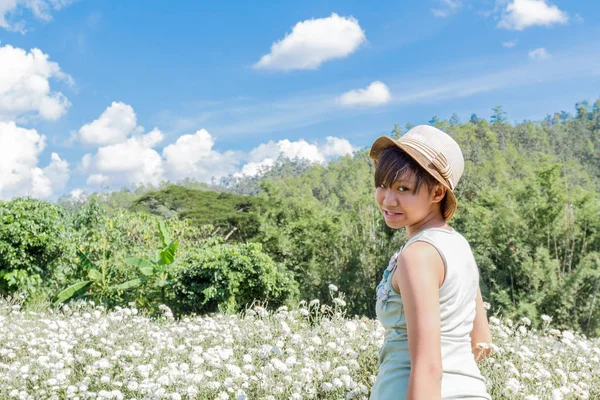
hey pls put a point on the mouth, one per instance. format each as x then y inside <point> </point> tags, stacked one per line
<point>391,215</point>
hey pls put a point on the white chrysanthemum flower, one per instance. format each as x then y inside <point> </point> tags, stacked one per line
<point>223,396</point>
<point>304,312</point>
<point>513,386</point>
<point>546,318</point>
<point>568,335</point>
<point>557,394</point>
<point>339,302</point>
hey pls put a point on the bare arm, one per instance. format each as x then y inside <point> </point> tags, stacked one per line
<point>420,270</point>
<point>481,329</point>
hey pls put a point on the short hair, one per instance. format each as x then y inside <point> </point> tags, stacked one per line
<point>394,164</point>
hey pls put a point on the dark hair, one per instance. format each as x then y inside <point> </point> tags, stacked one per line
<point>394,164</point>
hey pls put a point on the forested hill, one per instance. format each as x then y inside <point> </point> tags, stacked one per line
<point>202,207</point>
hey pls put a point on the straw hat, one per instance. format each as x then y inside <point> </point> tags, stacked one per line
<point>435,151</point>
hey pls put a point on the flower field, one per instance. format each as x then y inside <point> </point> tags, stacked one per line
<point>312,352</point>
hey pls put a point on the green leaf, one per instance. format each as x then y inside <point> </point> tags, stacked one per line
<point>162,283</point>
<point>129,284</point>
<point>167,255</point>
<point>84,260</point>
<point>72,290</point>
<point>145,267</point>
<point>139,262</point>
<point>94,274</point>
<point>165,235</point>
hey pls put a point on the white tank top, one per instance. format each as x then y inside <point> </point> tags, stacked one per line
<point>461,378</point>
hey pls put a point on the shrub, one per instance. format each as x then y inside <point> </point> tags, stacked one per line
<point>33,238</point>
<point>228,277</point>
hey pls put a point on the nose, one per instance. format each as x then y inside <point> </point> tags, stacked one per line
<point>389,199</point>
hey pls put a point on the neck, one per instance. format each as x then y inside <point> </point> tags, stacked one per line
<point>429,222</point>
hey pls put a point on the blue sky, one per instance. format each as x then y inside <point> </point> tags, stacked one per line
<point>120,93</point>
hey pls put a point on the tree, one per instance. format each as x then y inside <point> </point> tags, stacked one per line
<point>454,120</point>
<point>499,116</point>
<point>396,132</point>
<point>582,108</point>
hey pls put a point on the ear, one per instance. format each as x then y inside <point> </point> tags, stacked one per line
<point>438,193</point>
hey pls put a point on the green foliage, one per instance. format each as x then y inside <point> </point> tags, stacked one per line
<point>99,285</point>
<point>107,284</point>
<point>157,274</point>
<point>229,277</point>
<point>33,238</point>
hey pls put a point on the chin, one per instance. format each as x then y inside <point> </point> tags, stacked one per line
<point>395,225</point>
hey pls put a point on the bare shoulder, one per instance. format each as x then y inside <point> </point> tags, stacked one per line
<point>418,252</point>
<point>420,258</point>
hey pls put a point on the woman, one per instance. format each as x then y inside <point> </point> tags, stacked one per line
<point>429,300</point>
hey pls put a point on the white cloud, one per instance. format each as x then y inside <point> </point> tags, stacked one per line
<point>130,162</point>
<point>78,195</point>
<point>41,9</point>
<point>314,41</point>
<point>25,86</point>
<point>447,7</point>
<point>521,14</point>
<point>114,125</point>
<point>128,156</point>
<point>256,168</point>
<point>262,157</point>
<point>97,180</point>
<point>337,147</point>
<point>19,171</point>
<point>193,156</point>
<point>509,44</point>
<point>377,93</point>
<point>57,173</point>
<point>539,54</point>
<point>298,149</point>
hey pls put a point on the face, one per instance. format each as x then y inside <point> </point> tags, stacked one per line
<point>403,208</point>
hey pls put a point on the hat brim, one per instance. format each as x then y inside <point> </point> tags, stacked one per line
<point>384,142</point>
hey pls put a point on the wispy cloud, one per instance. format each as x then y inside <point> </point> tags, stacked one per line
<point>539,54</point>
<point>446,8</point>
<point>41,9</point>
<point>509,44</point>
<point>253,117</point>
